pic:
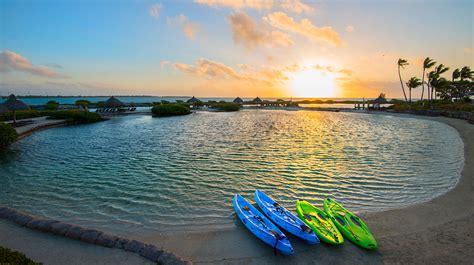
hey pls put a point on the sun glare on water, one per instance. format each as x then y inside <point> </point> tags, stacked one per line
<point>313,84</point>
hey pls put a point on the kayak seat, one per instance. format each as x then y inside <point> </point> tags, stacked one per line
<point>340,220</point>
<point>246,208</point>
<point>276,235</point>
<point>356,221</point>
<point>305,228</point>
<point>307,217</point>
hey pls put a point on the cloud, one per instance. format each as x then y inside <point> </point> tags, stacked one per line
<point>251,34</point>
<point>11,61</point>
<point>350,28</point>
<point>290,5</point>
<point>189,29</point>
<point>467,50</point>
<point>305,28</point>
<point>330,69</point>
<point>154,10</point>
<point>296,6</point>
<point>204,68</point>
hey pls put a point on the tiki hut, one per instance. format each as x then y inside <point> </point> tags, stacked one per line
<point>378,101</point>
<point>113,102</point>
<point>13,104</point>
<point>238,100</point>
<point>257,100</point>
<point>193,100</point>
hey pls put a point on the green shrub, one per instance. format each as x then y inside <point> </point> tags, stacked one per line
<point>76,116</point>
<point>24,114</point>
<point>8,256</point>
<point>225,106</point>
<point>7,134</point>
<point>165,110</point>
<point>52,105</point>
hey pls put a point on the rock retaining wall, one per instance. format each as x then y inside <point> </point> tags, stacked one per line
<point>90,236</point>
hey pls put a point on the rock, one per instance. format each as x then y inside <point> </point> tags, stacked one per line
<point>151,252</point>
<point>20,218</point>
<point>5,212</point>
<point>60,228</point>
<point>75,232</point>
<point>120,243</point>
<point>133,246</point>
<point>106,240</point>
<point>171,259</point>
<point>45,225</point>
<point>33,223</point>
<point>90,236</point>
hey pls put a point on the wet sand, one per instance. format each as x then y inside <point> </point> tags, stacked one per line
<point>438,231</point>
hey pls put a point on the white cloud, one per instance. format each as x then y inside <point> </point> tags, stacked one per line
<point>154,10</point>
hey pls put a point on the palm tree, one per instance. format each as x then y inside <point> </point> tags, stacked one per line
<point>427,64</point>
<point>439,70</point>
<point>402,63</point>
<point>466,73</point>
<point>456,74</point>
<point>412,83</point>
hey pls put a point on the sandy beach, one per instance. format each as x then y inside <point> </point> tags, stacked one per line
<point>438,231</point>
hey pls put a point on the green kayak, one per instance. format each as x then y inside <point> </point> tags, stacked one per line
<point>320,222</point>
<point>350,225</point>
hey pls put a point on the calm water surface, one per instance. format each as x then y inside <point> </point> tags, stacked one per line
<point>139,175</point>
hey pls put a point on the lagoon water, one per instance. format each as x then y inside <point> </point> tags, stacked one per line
<point>137,175</point>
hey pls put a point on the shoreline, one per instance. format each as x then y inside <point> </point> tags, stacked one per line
<point>429,232</point>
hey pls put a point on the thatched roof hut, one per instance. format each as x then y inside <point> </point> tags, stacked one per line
<point>193,100</point>
<point>380,100</point>
<point>238,100</point>
<point>257,100</point>
<point>114,102</point>
<point>14,104</point>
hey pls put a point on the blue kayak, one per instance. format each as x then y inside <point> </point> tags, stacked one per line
<point>284,218</point>
<point>261,227</point>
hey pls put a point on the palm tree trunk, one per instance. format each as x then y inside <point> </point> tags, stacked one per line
<point>423,84</point>
<point>409,94</point>
<point>401,82</point>
<point>14,117</point>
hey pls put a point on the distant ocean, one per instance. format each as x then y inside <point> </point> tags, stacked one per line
<point>145,99</point>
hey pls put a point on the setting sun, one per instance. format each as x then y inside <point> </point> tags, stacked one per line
<point>312,83</point>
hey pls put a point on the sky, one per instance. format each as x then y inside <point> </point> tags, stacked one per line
<point>228,48</point>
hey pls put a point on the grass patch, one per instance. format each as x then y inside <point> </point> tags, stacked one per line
<point>8,256</point>
<point>437,105</point>
<point>24,114</point>
<point>7,135</point>
<point>225,106</point>
<point>166,110</point>
<point>76,116</point>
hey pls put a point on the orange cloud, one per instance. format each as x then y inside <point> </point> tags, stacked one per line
<point>251,35</point>
<point>189,29</point>
<point>290,5</point>
<point>331,69</point>
<point>305,28</point>
<point>13,61</point>
<point>218,71</point>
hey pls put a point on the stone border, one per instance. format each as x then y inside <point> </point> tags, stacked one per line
<point>90,236</point>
